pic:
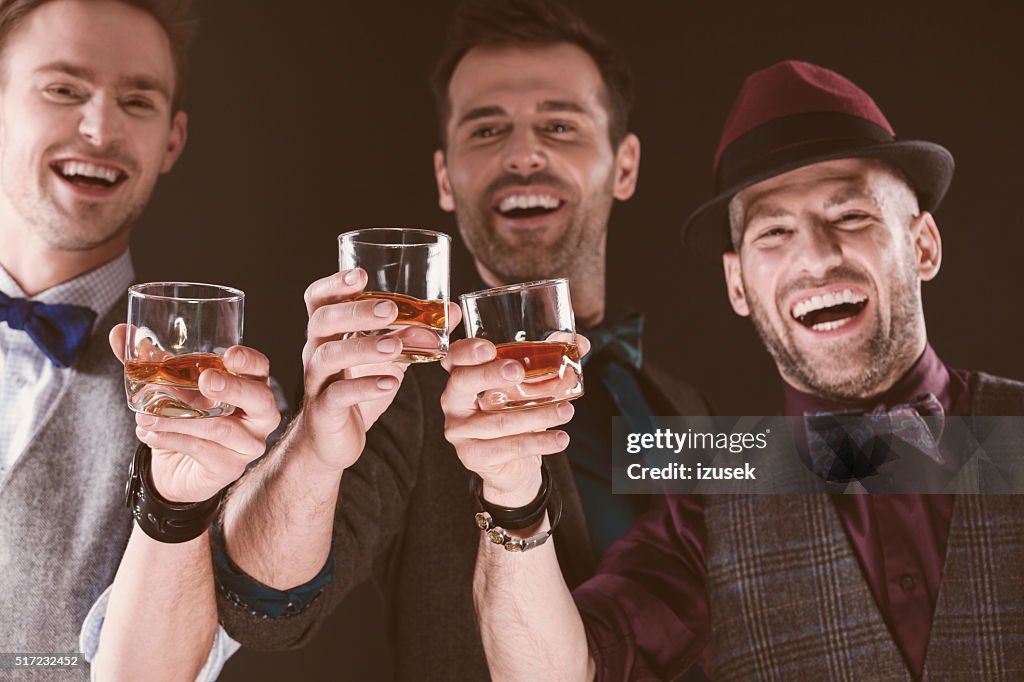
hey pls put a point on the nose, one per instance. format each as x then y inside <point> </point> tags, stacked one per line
<point>524,153</point>
<point>101,122</point>
<point>820,249</point>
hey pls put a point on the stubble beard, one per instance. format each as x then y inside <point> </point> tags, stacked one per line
<point>83,225</point>
<point>576,253</point>
<point>852,369</point>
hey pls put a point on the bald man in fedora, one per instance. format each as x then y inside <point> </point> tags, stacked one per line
<point>823,219</point>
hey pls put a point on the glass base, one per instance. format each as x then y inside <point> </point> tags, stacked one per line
<point>173,403</point>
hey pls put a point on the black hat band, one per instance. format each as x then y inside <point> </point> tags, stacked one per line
<point>783,141</point>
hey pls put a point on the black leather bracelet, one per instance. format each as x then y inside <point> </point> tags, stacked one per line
<point>514,518</point>
<point>165,521</point>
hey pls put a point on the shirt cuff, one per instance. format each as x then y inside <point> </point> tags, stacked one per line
<point>262,600</point>
<point>221,649</point>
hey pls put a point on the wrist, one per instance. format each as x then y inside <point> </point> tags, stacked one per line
<point>302,448</point>
<point>523,528</point>
<point>161,519</point>
<point>515,492</point>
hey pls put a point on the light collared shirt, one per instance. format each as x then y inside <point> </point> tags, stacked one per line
<point>31,385</point>
<point>221,649</point>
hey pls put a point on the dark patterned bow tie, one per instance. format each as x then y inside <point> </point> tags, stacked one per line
<point>60,331</point>
<point>621,339</point>
<point>847,447</point>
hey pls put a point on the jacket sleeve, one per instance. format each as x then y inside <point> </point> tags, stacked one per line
<point>646,611</point>
<point>370,515</point>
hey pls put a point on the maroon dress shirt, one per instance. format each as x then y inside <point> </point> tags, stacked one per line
<point>899,541</point>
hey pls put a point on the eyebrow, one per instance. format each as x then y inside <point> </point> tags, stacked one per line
<point>560,105</point>
<point>847,194</point>
<point>760,212</point>
<point>547,106</point>
<point>481,112</point>
<point>130,82</point>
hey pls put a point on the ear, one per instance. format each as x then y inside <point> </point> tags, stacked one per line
<point>627,167</point>
<point>924,235</point>
<point>445,198</point>
<point>175,141</point>
<point>734,283</point>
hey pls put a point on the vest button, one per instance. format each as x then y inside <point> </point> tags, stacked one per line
<point>907,583</point>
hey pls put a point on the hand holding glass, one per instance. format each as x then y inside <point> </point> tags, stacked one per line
<point>410,268</point>
<point>531,323</point>
<point>176,331</point>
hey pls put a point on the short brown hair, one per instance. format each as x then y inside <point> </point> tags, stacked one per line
<point>174,16</point>
<point>499,23</point>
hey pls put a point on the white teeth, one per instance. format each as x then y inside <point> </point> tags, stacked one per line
<point>827,301</point>
<point>829,326</point>
<point>528,201</point>
<point>88,170</point>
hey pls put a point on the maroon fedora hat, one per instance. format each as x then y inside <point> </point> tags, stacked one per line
<point>794,114</point>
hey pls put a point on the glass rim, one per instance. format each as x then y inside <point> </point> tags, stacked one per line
<point>513,288</point>
<point>444,238</point>
<point>138,291</point>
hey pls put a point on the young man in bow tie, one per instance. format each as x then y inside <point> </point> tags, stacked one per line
<point>824,221</point>
<point>535,151</point>
<point>90,117</point>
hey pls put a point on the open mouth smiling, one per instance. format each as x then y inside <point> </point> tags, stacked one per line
<point>528,205</point>
<point>830,311</point>
<point>88,175</point>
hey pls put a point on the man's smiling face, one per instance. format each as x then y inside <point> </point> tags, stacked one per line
<point>529,168</point>
<point>830,261</point>
<point>86,125</point>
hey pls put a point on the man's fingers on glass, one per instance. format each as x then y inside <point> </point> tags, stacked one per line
<point>488,456</point>
<point>330,359</point>
<point>469,352</point>
<point>116,340</point>
<point>253,396</point>
<point>220,464</point>
<point>247,361</point>
<point>473,380</point>
<point>349,317</point>
<point>344,394</point>
<point>583,344</point>
<point>454,315</point>
<point>334,288</point>
<point>228,432</point>
<point>491,425</point>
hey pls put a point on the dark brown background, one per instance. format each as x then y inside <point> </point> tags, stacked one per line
<point>310,118</point>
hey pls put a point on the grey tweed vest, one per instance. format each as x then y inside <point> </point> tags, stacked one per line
<point>789,601</point>
<point>63,525</point>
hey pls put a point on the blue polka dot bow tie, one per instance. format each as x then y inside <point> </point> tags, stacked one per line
<point>846,447</point>
<point>61,331</point>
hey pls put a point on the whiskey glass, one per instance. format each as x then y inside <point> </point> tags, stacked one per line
<point>533,324</point>
<point>410,268</point>
<point>177,331</point>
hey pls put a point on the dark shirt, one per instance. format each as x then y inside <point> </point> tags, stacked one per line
<point>608,516</point>
<point>899,541</point>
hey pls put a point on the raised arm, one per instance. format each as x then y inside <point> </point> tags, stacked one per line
<point>161,615</point>
<point>528,621</point>
<point>279,520</point>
